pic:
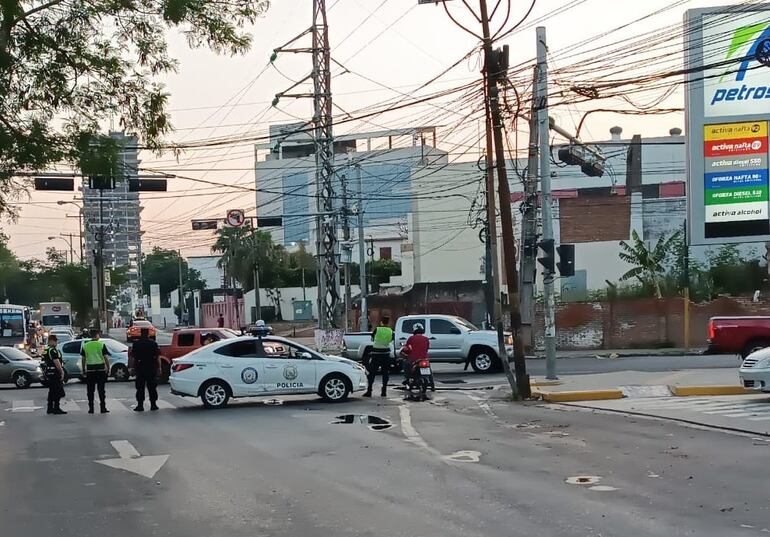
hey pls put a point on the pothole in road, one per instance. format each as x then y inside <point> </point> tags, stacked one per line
<point>375,423</point>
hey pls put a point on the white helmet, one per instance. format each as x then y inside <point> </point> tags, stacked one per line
<point>418,328</point>
<point>260,323</point>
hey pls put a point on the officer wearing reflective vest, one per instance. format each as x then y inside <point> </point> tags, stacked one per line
<point>54,376</point>
<point>96,366</point>
<point>379,357</point>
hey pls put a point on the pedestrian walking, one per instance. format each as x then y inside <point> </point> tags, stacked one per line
<point>54,376</point>
<point>379,357</point>
<point>96,366</point>
<point>146,355</point>
<point>221,321</point>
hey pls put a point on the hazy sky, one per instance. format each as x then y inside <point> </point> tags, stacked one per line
<point>383,42</point>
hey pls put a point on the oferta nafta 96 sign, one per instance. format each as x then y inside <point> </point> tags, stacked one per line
<point>728,111</point>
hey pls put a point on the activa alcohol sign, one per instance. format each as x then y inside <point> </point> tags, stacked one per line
<point>728,116</point>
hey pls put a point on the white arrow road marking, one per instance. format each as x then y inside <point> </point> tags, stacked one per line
<point>130,460</point>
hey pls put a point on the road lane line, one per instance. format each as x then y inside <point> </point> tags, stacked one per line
<point>411,433</point>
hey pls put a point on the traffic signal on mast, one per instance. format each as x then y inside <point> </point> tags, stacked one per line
<point>548,260</point>
<point>566,262</point>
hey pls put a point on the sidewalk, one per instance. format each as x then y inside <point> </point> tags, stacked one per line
<point>619,353</point>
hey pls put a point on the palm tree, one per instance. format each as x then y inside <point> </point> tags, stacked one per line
<point>648,262</point>
<point>244,249</point>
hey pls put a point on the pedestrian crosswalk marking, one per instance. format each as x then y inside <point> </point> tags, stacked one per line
<point>752,410</point>
<point>24,406</point>
<point>69,405</point>
<point>165,404</point>
<point>73,406</point>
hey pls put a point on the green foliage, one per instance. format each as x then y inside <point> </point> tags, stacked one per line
<point>66,66</point>
<point>161,267</point>
<point>649,264</point>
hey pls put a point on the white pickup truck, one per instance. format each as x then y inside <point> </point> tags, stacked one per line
<point>452,340</point>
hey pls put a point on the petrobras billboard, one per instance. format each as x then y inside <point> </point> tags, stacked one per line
<point>728,116</point>
<point>736,81</point>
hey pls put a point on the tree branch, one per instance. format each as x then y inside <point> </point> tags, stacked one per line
<point>41,7</point>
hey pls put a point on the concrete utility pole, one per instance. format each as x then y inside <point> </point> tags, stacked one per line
<point>101,290</point>
<point>181,293</point>
<point>543,126</point>
<point>364,319</point>
<point>495,63</point>
<point>346,247</point>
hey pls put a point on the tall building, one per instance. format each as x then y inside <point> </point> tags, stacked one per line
<point>119,211</point>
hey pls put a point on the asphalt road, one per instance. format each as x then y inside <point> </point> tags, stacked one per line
<point>467,464</point>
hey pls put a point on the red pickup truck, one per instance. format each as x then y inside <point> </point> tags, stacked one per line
<point>738,335</point>
<point>183,341</point>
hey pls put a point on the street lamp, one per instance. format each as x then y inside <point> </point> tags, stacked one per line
<point>80,222</point>
<point>69,243</point>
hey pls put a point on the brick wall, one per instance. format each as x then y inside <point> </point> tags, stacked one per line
<point>640,323</point>
<point>594,219</point>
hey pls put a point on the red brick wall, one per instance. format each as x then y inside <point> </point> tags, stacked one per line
<point>640,323</point>
<point>594,219</point>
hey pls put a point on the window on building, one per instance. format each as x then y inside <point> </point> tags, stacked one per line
<point>386,252</point>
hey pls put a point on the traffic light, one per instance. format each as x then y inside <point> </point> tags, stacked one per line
<point>54,183</point>
<point>590,161</point>
<point>147,185</point>
<point>101,182</point>
<point>548,261</point>
<point>566,262</point>
<point>199,225</point>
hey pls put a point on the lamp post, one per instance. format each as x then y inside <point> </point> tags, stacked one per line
<point>69,243</point>
<point>80,222</point>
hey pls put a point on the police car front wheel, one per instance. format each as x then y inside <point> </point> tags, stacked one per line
<point>215,394</point>
<point>334,388</point>
<point>21,380</point>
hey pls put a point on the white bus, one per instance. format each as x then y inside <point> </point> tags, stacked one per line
<point>15,326</point>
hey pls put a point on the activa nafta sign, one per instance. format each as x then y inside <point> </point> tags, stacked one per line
<point>728,119</point>
<point>736,81</point>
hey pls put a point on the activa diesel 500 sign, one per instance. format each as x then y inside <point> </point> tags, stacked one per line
<point>728,111</point>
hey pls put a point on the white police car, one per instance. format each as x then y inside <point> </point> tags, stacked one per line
<point>251,367</point>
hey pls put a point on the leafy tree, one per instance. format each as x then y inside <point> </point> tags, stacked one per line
<point>244,248</point>
<point>161,267</point>
<point>65,66</point>
<point>9,265</point>
<point>731,274</point>
<point>649,263</point>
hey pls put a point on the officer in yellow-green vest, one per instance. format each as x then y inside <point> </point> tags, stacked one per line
<point>96,367</point>
<point>379,357</point>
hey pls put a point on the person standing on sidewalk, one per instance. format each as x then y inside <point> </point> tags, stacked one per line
<point>96,366</point>
<point>146,355</point>
<point>379,357</point>
<point>54,376</point>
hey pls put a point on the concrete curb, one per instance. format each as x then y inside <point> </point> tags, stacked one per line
<point>587,395</point>
<point>689,391</point>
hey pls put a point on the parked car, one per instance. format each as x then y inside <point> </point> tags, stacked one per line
<point>755,370</point>
<point>134,330</point>
<point>118,359</point>
<point>183,341</point>
<point>738,335</point>
<point>19,368</point>
<point>452,340</point>
<point>249,366</point>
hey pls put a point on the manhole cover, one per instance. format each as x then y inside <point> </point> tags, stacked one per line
<point>583,480</point>
<point>375,423</point>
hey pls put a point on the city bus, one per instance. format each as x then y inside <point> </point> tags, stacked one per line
<point>15,326</point>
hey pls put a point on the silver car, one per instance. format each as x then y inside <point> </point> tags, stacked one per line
<point>18,368</point>
<point>118,359</point>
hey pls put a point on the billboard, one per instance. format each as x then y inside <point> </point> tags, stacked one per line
<point>728,111</point>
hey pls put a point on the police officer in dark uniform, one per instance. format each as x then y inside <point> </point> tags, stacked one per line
<point>54,376</point>
<point>146,356</point>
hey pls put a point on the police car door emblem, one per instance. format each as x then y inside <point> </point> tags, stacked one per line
<point>290,372</point>
<point>249,375</point>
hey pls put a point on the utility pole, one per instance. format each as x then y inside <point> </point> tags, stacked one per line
<point>364,319</point>
<point>181,294</point>
<point>686,288</point>
<point>543,127</point>
<point>346,247</point>
<point>100,266</point>
<point>257,298</point>
<point>326,242</point>
<point>529,226</point>
<point>495,63</point>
